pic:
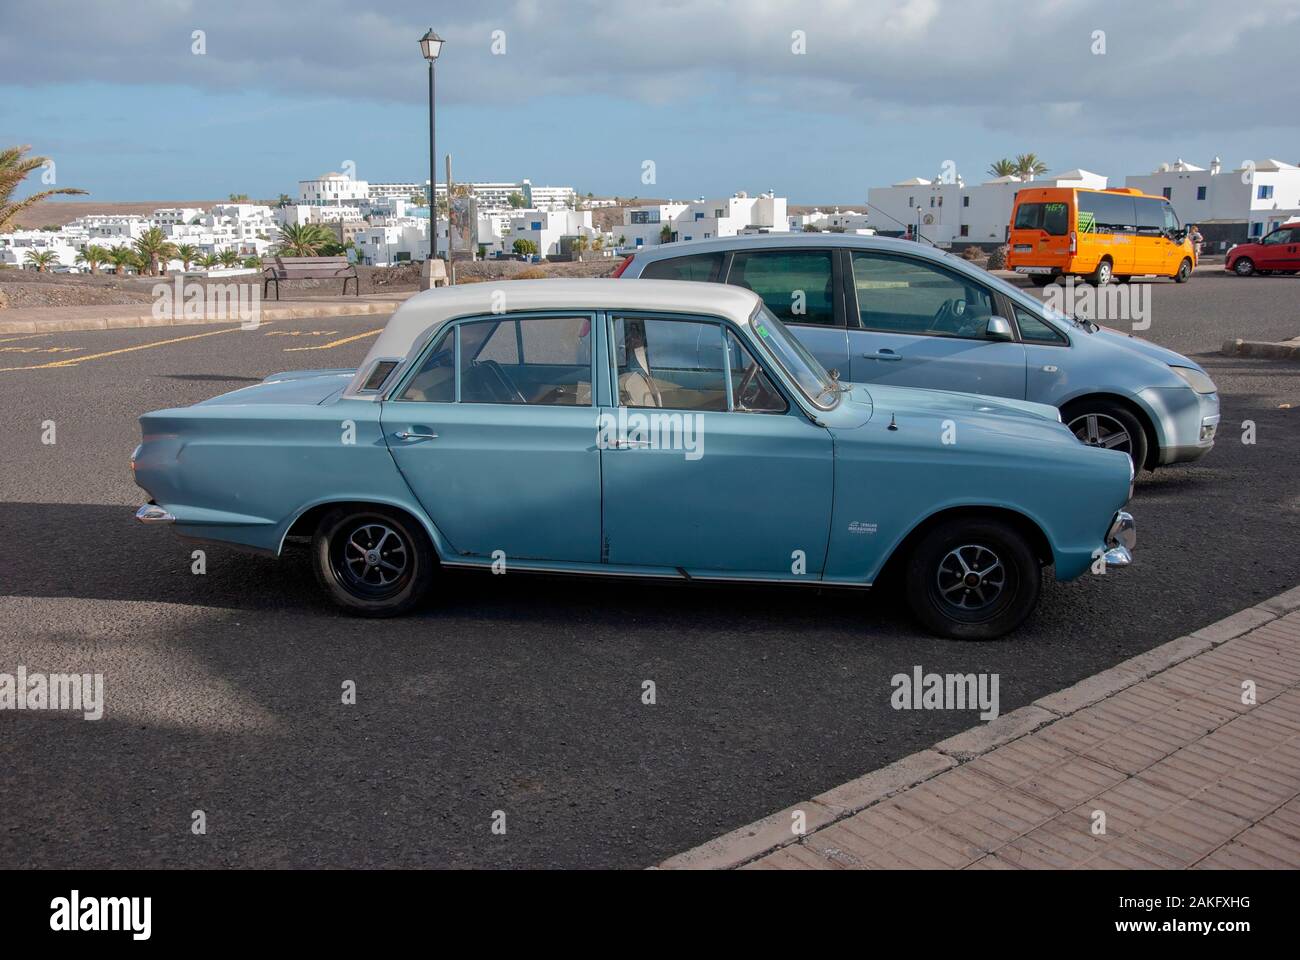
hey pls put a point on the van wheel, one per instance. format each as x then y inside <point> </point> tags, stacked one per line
<point>1244,267</point>
<point>1104,423</point>
<point>1041,279</point>
<point>1104,273</point>
<point>373,562</point>
<point>972,579</point>
<point>1184,271</point>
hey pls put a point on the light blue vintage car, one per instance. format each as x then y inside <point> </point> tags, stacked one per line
<point>649,429</point>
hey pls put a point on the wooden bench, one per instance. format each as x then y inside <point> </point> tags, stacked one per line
<point>311,268</point>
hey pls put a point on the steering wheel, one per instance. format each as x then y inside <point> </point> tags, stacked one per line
<point>948,318</point>
<point>512,391</point>
<point>749,377</point>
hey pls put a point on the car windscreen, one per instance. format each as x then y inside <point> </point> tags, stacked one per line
<point>801,366</point>
<point>1052,218</point>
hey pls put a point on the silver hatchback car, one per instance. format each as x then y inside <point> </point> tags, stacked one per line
<point>878,310</point>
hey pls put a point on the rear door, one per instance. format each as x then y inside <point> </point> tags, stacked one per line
<point>923,325</point>
<point>494,433</point>
<point>803,286</point>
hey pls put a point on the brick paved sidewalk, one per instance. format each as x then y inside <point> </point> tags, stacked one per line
<point>1186,773</point>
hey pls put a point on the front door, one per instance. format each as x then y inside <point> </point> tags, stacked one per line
<point>922,325</point>
<point>707,466</point>
<point>1278,250</point>
<point>494,435</point>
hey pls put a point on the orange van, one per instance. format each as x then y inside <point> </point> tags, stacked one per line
<point>1099,235</point>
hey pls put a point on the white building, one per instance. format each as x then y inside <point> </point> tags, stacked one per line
<point>837,221</point>
<point>1227,205</point>
<point>403,189</point>
<point>651,224</point>
<point>545,228</point>
<point>949,211</point>
<point>332,189</point>
<point>394,241</point>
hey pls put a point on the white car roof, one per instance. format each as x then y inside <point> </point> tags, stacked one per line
<point>407,326</point>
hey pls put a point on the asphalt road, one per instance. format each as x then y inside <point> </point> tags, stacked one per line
<point>519,694</point>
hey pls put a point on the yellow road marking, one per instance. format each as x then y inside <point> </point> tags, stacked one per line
<point>336,343</point>
<point>26,336</point>
<point>73,361</point>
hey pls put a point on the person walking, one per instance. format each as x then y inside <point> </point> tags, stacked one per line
<point>1194,235</point>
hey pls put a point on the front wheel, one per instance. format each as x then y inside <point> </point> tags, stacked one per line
<point>971,579</point>
<point>1103,423</point>
<point>373,562</point>
<point>1184,272</point>
<point>1244,267</point>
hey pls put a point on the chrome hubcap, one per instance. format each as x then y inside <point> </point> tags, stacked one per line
<point>375,555</point>
<point>971,577</point>
<point>1099,430</point>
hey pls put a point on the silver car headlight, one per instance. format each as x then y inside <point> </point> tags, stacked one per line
<point>1195,379</point>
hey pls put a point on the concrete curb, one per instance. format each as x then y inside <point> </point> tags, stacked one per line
<point>758,839</point>
<point>109,318</point>
<point>1258,348</point>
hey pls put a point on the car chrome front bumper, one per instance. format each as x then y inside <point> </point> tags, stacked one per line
<point>152,513</point>
<point>1121,538</point>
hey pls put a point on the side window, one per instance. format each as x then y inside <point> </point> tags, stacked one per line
<point>1171,218</point>
<point>1150,217</point>
<point>669,364</point>
<point>1034,329</point>
<point>796,285</point>
<point>751,389</point>
<point>901,295</point>
<point>702,266</point>
<point>1278,236</point>
<point>435,381</point>
<point>542,361</point>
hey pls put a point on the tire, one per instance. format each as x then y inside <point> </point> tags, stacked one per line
<point>1244,267</point>
<point>945,563</point>
<point>1041,279</point>
<point>1123,277</point>
<point>1184,271</point>
<point>1103,275</point>
<point>372,561</point>
<point>1099,422</point>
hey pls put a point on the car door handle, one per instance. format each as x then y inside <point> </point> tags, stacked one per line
<point>883,354</point>
<point>408,435</point>
<point>619,443</point>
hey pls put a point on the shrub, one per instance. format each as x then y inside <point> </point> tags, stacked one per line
<point>532,273</point>
<point>972,253</point>
<point>998,258</point>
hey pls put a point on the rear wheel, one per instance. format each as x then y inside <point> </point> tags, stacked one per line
<point>372,561</point>
<point>1244,267</point>
<point>1104,423</point>
<point>1104,273</point>
<point>971,579</point>
<point>1184,271</point>
<point>1041,279</point>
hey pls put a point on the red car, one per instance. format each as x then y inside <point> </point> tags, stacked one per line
<point>1278,252</point>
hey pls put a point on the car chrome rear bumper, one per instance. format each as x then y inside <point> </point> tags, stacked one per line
<point>152,513</point>
<point>1121,538</point>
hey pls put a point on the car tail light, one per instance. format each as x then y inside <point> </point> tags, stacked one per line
<point>1074,242</point>
<point>623,266</point>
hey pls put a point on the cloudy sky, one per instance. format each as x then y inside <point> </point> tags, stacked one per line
<point>579,92</point>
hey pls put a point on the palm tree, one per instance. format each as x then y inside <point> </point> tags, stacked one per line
<point>666,234</point>
<point>303,240</point>
<point>153,248</point>
<point>239,198</point>
<point>579,244</point>
<point>598,242</point>
<point>43,260</point>
<point>229,258</point>
<point>209,260</point>
<point>187,253</point>
<point>121,258</point>
<point>253,263</point>
<point>284,201</point>
<point>1029,166</point>
<point>1004,168</point>
<point>93,256</point>
<point>13,170</point>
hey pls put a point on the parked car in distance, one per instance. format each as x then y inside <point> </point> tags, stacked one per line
<point>668,430</point>
<point>1100,235</point>
<point>1276,252</point>
<point>883,311</point>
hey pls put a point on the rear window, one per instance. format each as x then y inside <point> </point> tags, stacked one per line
<point>1053,218</point>
<point>701,266</point>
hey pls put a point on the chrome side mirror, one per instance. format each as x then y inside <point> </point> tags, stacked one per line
<point>998,328</point>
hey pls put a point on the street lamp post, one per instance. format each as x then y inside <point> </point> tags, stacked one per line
<point>430,47</point>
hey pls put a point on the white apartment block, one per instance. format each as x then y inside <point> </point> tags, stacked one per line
<point>651,224</point>
<point>949,211</point>
<point>545,228</point>
<point>15,246</point>
<point>838,221</point>
<point>395,241</point>
<point>332,189</point>
<point>1227,205</point>
<point>404,190</point>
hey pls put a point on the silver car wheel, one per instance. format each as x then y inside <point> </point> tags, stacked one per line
<point>971,577</point>
<point>1100,430</point>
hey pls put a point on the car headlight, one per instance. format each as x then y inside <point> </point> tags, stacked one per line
<point>1195,379</point>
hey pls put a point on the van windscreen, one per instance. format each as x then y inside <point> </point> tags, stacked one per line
<point>1052,218</point>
